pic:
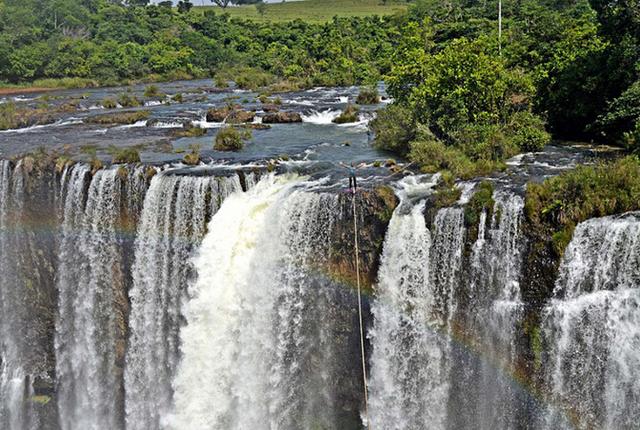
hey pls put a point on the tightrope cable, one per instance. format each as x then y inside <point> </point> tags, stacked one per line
<point>364,368</point>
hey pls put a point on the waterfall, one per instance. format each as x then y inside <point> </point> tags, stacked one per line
<point>408,382</point>
<point>484,386</point>
<point>444,336</point>
<point>418,277</point>
<point>90,282</point>
<point>173,222</point>
<point>592,327</point>
<point>269,340</point>
<point>16,410</point>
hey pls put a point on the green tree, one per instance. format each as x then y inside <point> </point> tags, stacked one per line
<point>184,6</point>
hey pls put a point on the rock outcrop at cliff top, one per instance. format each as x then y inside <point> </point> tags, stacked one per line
<point>373,209</point>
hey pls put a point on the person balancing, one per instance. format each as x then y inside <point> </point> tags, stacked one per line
<point>353,184</point>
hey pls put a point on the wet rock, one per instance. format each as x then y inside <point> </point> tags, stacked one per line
<point>230,114</point>
<point>373,210</point>
<point>270,108</point>
<point>281,118</point>
<point>240,116</point>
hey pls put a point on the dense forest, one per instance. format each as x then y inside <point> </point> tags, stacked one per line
<point>107,41</point>
<point>465,98</point>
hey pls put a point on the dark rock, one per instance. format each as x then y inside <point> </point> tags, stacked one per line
<point>240,116</point>
<point>281,118</point>
<point>373,209</point>
<point>270,108</point>
<point>217,114</point>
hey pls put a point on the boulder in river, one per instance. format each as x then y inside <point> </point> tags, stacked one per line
<point>217,114</point>
<point>240,117</point>
<point>281,118</point>
<point>230,115</point>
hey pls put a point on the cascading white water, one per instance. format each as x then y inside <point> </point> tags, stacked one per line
<point>15,384</point>
<point>496,306</point>
<point>429,326</point>
<point>321,117</point>
<point>415,299</point>
<point>592,327</point>
<point>89,269</point>
<point>408,381</point>
<point>262,344</point>
<point>172,224</point>
<point>446,261</point>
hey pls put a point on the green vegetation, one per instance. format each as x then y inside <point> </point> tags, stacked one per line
<point>190,130</point>
<point>482,200</point>
<point>128,117</point>
<point>395,127</point>
<point>555,207</point>
<point>350,114</point>
<point>128,100</point>
<point>368,96</point>
<point>13,116</point>
<point>192,158</point>
<point>109,103</point>
<point>571,68</point>
<point>228,139</point>
<point>125,155</point>
<point>471,110</point>
<point>446,193</point>
<point>53,43</point>
<point>313,11</point>
<point>152,91</point>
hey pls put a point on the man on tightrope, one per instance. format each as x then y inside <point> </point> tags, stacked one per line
<point>353,184</point>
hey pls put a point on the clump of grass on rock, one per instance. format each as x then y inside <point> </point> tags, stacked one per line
<point>368,96</point>
<point>350,114</point>
<point>228,139</point>
<point>128,155</point>
<point>129,117</point>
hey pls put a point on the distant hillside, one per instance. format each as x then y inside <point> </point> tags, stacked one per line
<point>313,10</point>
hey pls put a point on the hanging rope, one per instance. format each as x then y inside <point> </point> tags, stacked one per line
<point>364,368</point>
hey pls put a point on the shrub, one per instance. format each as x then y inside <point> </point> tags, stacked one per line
<point>152,91</point>
<point>247,78</point>
<point>368,96</point>
<point>228,139</point>
<point>192,158</point>
<point>557,205</point>
<point>189,130</point>
<point>128,100</point>
<point>109,103</point>
<point>631,139</point>
<point>130,117</point>
<point>527,132</point>
<point>177,98</point>
<point>350,114</point>
<point>394,128</point>
<point>432,156</point>
<point>252,79</point>
<point>446,193</point>
<point>12,116</point>
<point>221,82</point>
<point>125,155</point>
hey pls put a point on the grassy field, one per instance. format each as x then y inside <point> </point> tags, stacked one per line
<point>317,11</point>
